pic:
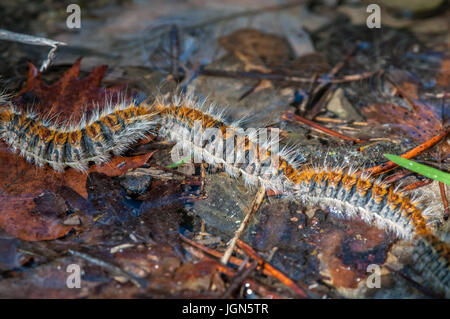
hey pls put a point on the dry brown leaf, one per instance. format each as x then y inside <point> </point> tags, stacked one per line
<point>21,183</point>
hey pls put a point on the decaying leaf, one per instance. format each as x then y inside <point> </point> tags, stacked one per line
<point>69,98</point>
<point>22,183</point>
<point>421,121</point>
<point>420,125</point>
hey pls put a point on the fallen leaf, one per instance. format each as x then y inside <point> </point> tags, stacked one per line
<point>421,122</point>
<point>120,165</point>
<point>21,183</point>
<point>69,98</point>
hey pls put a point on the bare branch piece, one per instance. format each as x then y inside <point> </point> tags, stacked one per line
<point>138,282</point>
<point>32,40</point>
<point>252,210</point>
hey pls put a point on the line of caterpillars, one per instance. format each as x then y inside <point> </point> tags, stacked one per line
<point>353,193</point>
<point>117,127</point>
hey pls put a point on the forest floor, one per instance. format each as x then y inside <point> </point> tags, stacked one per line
<point>144,226</point>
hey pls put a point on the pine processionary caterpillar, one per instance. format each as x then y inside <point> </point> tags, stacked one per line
<point>42,142</point>
<point>345,191</point>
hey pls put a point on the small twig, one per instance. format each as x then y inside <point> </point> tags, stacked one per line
<point>203,178</point>
<point>397,176</point>
<point>348,128</point>
<point>238,279</point>
<point>202,232</point>
<point>273,271</point>
<point>138,282</point>
<point>302,107</point>
<point>117,248</point>
<point>442,190</point>
<point>316,108</point>
<point>382,168</point>
<point>438,95</point>
<point>257,287</point>
<point>416,185</point>
<point>444,200</point>
<point>267,268</point>
<point>330,120</point>
<point>256,203</point>
<point>50,56</point>
<point>28,39</point>
<point>338,121</point>
<point>292,117</point>
<point>32,40</point>
<point>325,88</point>
<point>212,252</point>
<point>284,78</point>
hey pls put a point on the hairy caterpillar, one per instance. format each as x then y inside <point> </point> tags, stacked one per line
<point>40,141</point>
<point>349,194</point>
<point>117,126</point>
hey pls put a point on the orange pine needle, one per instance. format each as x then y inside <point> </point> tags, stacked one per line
<point>416,185</point>
<point>267,268</point>
<point>289,116</point>
<point>444,200</point>
<point>272,270</point>
<point>382,168</point>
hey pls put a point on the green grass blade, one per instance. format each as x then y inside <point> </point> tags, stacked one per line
<point>181,162</point>
<point>424,170</point>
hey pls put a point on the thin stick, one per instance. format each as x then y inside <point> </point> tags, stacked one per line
<point>32,40</point>
<point>417,185</point>
<point>273,271</point>
<point>397,176</point>
<point>239,278</point>
<point>267,270</point>
<point>292,117</point>
<point>442,190</point>
<point>256,203</point>
<point>203,177</point>
<point>330,120</point>
<point>28,39</point>
<point>444,200</point>
<point>314,110</point>
<point>284,78</point>
<point>259,288</point>
<point>212,252</point>
<point>138,282</point>
<point>302,107</point>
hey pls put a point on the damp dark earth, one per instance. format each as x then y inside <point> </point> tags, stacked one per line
<point>342,84</point>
